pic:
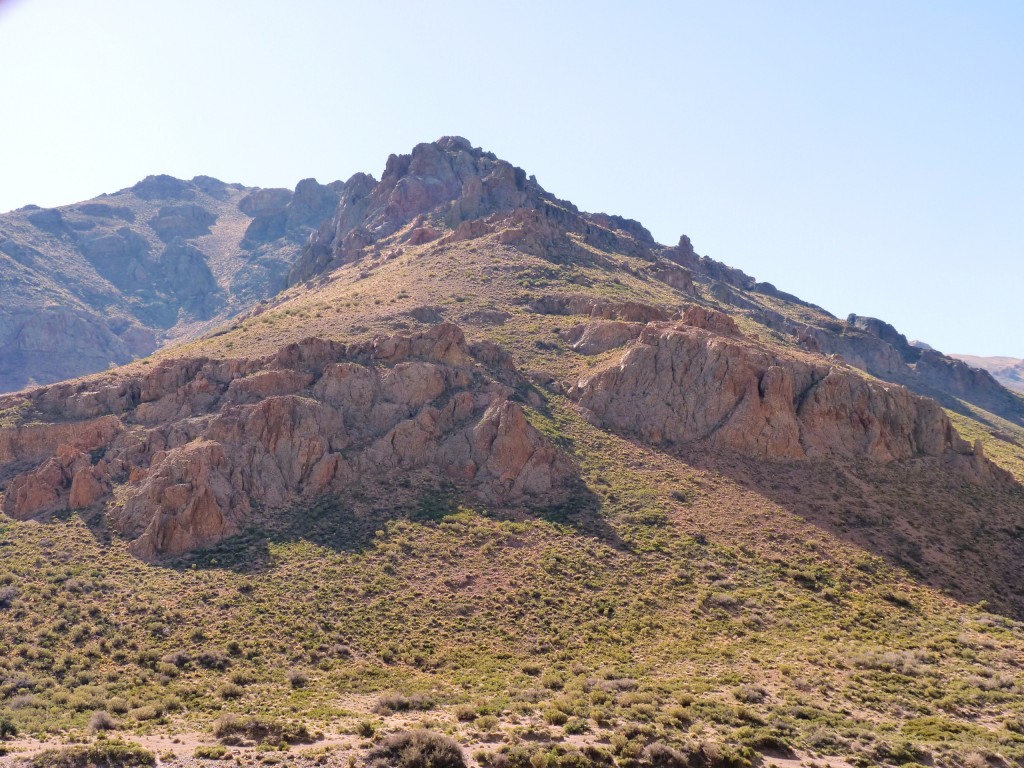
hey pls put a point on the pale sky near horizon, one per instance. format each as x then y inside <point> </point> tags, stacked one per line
<point>867,157</point>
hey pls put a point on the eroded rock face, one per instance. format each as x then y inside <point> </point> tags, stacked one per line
<point>193,442</point>
<point>679,383</point>
<point>595,338</point>
<point>451,185</point>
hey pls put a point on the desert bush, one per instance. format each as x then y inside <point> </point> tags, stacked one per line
<point>556,717</point>
<point>365,729</point>
<point>210,752</point>
<point>232,728</point>
<point>146,712</point>
<point>416,749</point>
<point>661,755</point>
<point>102,721</point>
<point>179,659</point>
<point>750,694</point>
<point>7,596</point>
<point>8,730</point>
<point>103,754</point>
<point>486,723</point>
<point>213,660</point>
<point>397,702</point>
<point>297,678</point>
<point>229,691</point>
<point>552,681</point>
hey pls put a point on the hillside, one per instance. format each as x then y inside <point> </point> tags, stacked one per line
<point>497,468</point>
<point>105,281</point>
<point>1008,371</point>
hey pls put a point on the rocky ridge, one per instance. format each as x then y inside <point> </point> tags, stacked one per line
<point>449,192</point>
<point>180,454</point>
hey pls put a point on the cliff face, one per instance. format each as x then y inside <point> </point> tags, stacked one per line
<point>100,283</point>
<point>190,446</point>
<point>698,380</point>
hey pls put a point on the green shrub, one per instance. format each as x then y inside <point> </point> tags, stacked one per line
<point>8,730</point>
<point>210,752</point>
<point>103,754</point>
<point>416,749</point>
<point>365,729</point>
<point>231,729</point>
<point>229,691</point>
<point>556,717</point>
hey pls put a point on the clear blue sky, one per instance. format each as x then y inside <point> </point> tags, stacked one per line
<point>867,156</point>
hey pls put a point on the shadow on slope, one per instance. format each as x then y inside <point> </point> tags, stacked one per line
<point>961,538</point>
<point>356,521</point>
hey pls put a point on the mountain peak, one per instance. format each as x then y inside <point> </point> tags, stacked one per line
<point>444,184</point>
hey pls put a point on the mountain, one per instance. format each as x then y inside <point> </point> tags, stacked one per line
<point>1008,371</point>
<point>495,481</point>
<point>103,282</point>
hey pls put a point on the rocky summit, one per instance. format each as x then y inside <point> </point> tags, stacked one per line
<point>438,469</point>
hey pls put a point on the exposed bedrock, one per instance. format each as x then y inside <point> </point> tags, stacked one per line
<point>681,383</point>
<point>192,443</point>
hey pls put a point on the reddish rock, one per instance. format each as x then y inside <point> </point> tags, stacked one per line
<point>86,488</point>
<point>678,384</point>
<point>595,338</point>
<point>710,320</point>
<point>206,438</point>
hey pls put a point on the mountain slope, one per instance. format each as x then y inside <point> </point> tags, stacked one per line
<point>105,281</point>
<point>501,468</point>
<point>1008,371</point>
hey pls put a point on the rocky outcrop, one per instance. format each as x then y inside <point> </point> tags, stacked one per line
<point>261,200</point>
<point>279,213</point>
<point>194,443</point>
<point>183,221</point>
<point>68,480</point>
<point>710,320</point>
<point>595,338</point>
<point>1008,371</point>
<point>449,185</point>
<point>681,384</point>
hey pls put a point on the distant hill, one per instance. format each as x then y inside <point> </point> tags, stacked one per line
<point>1008,371</point>
<point>102,282</point>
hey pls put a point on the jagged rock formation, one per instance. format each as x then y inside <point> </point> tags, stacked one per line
<point>699,381</point>
<point>193,444</point>
<point>100,283</point>
<point>468,191</point>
